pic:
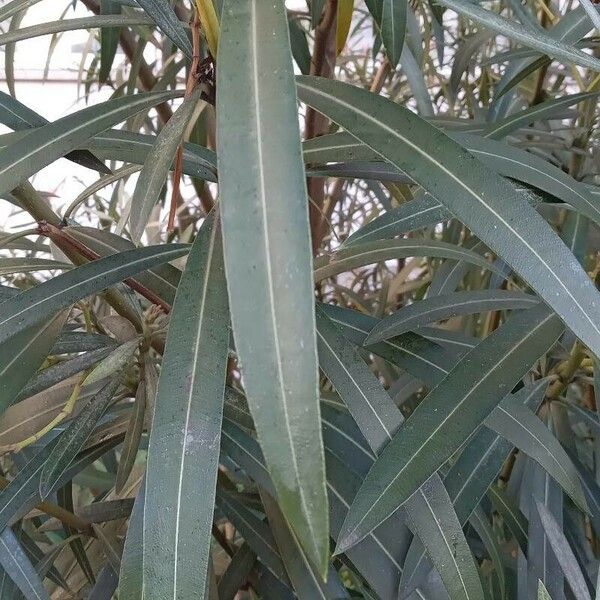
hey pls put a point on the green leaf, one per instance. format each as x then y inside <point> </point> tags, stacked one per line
<point>370,405</point>
<point>268,258</point>
<point>299,45</point>
<point>50,27</point>
<point>161,279</point>
<point>430,512</point>
<point>306,582</point>
<point>183,452</point>
<point>17,116</point>
<point>166,19</point>
<point>345,9</point>
<point>115,361</point>
<point>403,219</point>
<point>132,147</point>
<point>537,39</point>
<point>44,145</point>
<point>489,206</point>
<point>439,308</point>
<point>75,436</point>
<point>513,517</point>
<point>16,563</point>
<point>35,304</point>
<point>255,531</point>
<point>468,480</point>
<point>519,425</point>
<point>542,592</point>
<point>367,253</point>
<point>131,572</point>
<point>109,39</point>
<point>424,359</point>
<point>448,416</point>
<point>27,265</point>
<point>393,27</point>
<point>564,554</point>
<point>539,112</point>
<point>132,439</point>
<point>22,354</point>
<point>157,164</point>
<point>15,6</point>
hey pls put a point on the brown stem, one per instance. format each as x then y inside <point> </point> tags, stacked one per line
<point>189,88</point>
<point>63,240</point>
<point>322,64</point>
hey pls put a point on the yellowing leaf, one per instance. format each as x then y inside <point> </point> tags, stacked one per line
<point>210,23</point>
<point>344,20</point>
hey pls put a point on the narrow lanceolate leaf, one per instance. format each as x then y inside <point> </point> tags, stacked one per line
<point>406,217</point>
<point>541,111</point>
<point>438,308</point>
<point>538,39</point>
<point>39,148</point>
<point>130,580</point>
<point>133,435</point>
<point>367,253</point>
<point>210,24</point>
<point>22,354</point>
<point>268,258</point>
<point>519,425</point>
<point>17,116</point>
<point>422,358</point>
<point>370,405</point>
<point>430,512</point>
<point>486,203</point>
<point>345,8</point>
<point>75,436</point>
<point>306,582</point>
<point>378,419</point>
<point>36,304</point>
<point>448,416</point>
<point>564,554</point>
<point>393,27</point>
<point>158,163</point>
<point>166,19</point>
<point>19,568</point>
<point>467,481</point>
<point>109,39</point>
<point>183,453</point>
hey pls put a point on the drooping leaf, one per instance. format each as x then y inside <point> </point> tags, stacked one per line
<point>477,196</point>
<point>371,252</point>
<point>430,511</point>
<point>563,553</point>
<point>516,423</point>
<point>438,308</point>
<point>534,39</point>
<point>22,354</point>
<point>448,416</point>
<point>164,16</point>
<point>184,444</point>
<point>393,27</point>
<point>109,39</point>
<point>15,563</point>
<point>39,148</point>
<point>34,305</point>
<point>210,24</point>
<point>267,256</point>
<point>157,164</point>
<point>345,9</point>
<point>74,437</point>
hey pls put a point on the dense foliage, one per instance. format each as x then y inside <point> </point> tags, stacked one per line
<point>322,321</point>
